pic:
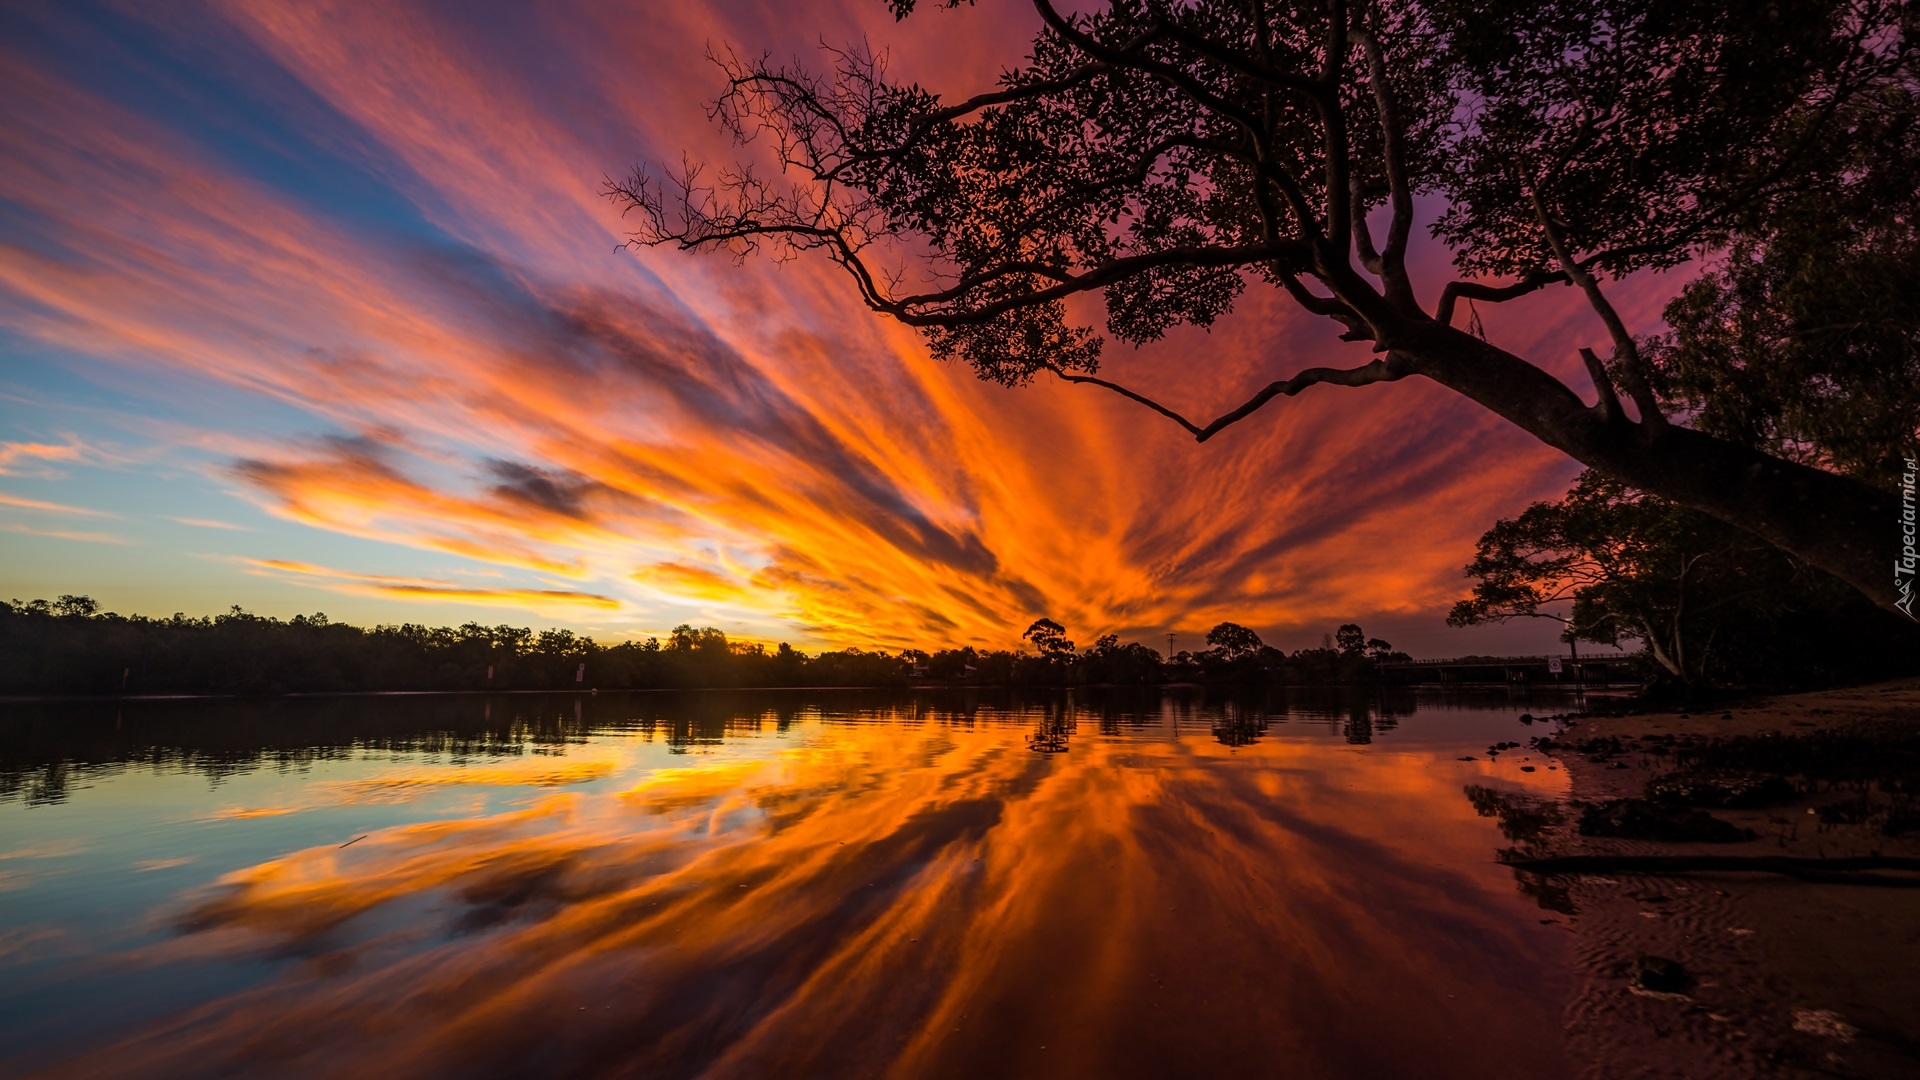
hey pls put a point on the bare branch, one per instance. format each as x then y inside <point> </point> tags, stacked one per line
<point>1608,404</point>
<point>1386,369</point>
<point>1495,294</point>
<point>1069,284</point>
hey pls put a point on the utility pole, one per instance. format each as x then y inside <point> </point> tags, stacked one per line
<point>1170,638</point>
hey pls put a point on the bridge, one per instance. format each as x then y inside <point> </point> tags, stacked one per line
<point>1505,670</point>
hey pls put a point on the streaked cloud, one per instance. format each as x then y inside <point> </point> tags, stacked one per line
<point>429,589</point>
<point>65,534</point>
<point>16,458</point>
<point>491,379</point>
<point>21,503</point>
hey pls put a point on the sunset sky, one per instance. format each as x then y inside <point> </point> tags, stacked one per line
<point>319,307</point>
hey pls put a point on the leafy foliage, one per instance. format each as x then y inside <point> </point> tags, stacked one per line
<point>1806,343</point>
<point>1649,130</point>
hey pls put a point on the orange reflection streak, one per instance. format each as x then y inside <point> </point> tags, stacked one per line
<point>691,439</point>
<point>907,901</point>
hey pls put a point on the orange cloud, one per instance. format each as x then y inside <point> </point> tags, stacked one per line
<point>347,581</point>
<point>684,579</point>
<point>744,439</point>
<point>13,453</point>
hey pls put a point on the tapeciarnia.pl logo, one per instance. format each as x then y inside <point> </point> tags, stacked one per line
<point>1903,567</point>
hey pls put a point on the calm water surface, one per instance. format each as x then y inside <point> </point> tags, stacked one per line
<point>758,884</point>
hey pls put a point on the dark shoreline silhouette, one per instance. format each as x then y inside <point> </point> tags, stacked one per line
<point>69,648</point>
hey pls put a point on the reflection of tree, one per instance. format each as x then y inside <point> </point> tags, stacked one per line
<point>1359,726</point>
<point>1240,727</point>
<point>1528,823</point>
<point>50,750</point>
<point>1050,731</point>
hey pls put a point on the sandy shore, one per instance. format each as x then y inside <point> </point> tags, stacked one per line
<point>1777,976</point>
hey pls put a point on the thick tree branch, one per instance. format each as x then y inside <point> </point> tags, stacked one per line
<point>1393,258</point>
<point>1632,373</point>
<point>1363,235</point>
<point>1608,404</point>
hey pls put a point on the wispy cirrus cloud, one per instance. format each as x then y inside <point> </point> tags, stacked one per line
<point>35,458</point>
<point>426,589</point>
<point>65,534</point>
<point>19,502</point>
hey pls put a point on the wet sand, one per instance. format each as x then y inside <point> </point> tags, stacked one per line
<point>1788,978</point>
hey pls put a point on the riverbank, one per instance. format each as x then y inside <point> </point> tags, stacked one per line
<point>1744,974</point>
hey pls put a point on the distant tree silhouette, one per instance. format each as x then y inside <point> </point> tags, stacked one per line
<point>1165,156</point>
<point>71,646</point>
<point>1111,662</point>
<point>1233,641</point>
<point>1351,640</point>
<point>1050,638</point>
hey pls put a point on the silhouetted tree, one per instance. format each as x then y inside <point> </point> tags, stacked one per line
<point>1233,641</point>
<point>1167,154</point>
<point>1707,601</point>
<point>1351,640</point>
<point>1111,662</point>
<point>1050,638</point>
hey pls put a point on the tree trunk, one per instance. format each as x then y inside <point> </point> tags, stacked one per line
<point>1842,526</point>
<point>1658,651</point>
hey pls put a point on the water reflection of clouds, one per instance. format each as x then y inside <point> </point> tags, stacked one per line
<point>407,783</point>
<point>891,900</point>
<point>22,866</point>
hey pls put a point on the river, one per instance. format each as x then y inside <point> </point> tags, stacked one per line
<point>772,883</point>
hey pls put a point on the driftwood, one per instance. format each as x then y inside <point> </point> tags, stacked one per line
<point>1848,871</point>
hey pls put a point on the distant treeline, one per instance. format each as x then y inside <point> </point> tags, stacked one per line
<point>69,646</point>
